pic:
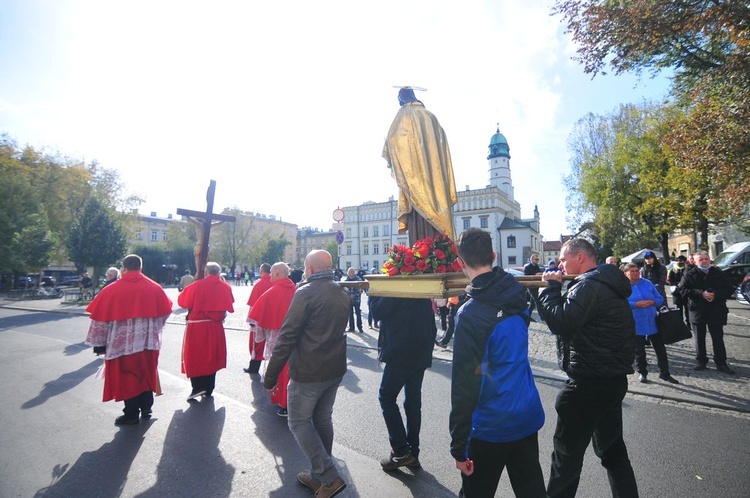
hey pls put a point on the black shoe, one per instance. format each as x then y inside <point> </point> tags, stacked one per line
<point>361,331</point>
<point>395,461</point>
<point>725,369</point>
<point>146,415</point>
<point>125,420</point>
<point>350,330</point>
<point>699,367</point>
<point>253,367</point>
<point>668,378</point>
<point>642,378</point>
<point>440,345</point>
<point>195,395</point>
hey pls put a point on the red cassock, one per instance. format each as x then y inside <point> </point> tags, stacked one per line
<point>261,286</point>
<point>204,348</point>
<point>128,317</point>
<point>269,312</point>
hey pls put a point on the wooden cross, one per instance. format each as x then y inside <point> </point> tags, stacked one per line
<point>204,220</point>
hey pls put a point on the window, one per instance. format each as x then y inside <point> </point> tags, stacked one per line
<point>376,265</point>
<point>366,249</point>
<point>386,230</point>
<point>375,248</point>
<point>467,223</point>
<point>385,247</point>
<point>349,250</point>
<point>484,222</point>
<point>366,232</point>
<point>164,236</point>
<point>511,241</point>
<point>348,233</point>
<point>348,264</point>
<point>511,260</point>
<point>138,235</point>
<point>375,231</point>
<point>154,235</point>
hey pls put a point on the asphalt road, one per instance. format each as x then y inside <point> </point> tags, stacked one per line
<point>58,438</point>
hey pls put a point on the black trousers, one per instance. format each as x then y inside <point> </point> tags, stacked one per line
<point>590,410</point>
<point>717,338</point>
<point>355,310</point>
<point>659,349</point>
<point>204,383</point>
<point>521,458</point>
<point>143,403</point>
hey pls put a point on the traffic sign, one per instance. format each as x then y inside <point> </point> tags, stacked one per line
<point>340,237</point>
<point>338,214</point>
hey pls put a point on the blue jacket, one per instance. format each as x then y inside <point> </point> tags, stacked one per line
<point>645,318</point>
<point>493,395</point>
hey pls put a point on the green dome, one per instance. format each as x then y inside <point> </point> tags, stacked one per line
<point>499,145</point>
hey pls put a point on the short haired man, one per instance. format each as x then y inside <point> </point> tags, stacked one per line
<point>111,276</point>
<point>611,260</point>
<point>257,344</point>
<point>204,348</point>
<point>268,313</point>
<point>186,280</point>
<point>595,333</point>
<point>496,411</point>
<point>533,268</point>
<point>355,306</point>
<point>405,343</point>
<point>706,290</point>
<point>674,277</point>
<point>127,318</point>
<point>312,340</point>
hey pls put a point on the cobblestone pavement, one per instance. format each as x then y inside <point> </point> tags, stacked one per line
<point>708,389</point>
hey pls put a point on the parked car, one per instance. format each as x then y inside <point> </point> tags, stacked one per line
<point>48,281</point>
<point>736,254</point>
<point>735,273</point>
<point>24,282</point>
<point>742,294</point>
<point>70,280</point>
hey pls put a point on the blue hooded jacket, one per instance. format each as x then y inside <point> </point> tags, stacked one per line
<point>493,394</point>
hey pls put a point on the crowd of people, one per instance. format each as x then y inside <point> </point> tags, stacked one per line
<point>601,323</point>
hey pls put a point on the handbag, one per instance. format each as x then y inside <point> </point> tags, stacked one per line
<point>671,327</point>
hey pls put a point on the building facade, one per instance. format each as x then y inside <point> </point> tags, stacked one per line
<point>370,229</point>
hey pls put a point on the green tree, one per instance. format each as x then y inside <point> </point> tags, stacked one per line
<point>706,43</point>
<point>33,245</point>
<point>333,248</point>
<point>275,250</point>
<point>621,181</point>
<point>154,261</point>
<point>96,238</point>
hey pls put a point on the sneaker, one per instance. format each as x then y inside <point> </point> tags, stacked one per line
<point>415,464</point>
<point>306,479</point>
<point>668,378</point>
<point>195,395</point>
<point>282,412</point>
<point>395,461</point>
<point>725,369</point>
<point>330,490</point>
<point>699,367</point>
<point>642,378</point>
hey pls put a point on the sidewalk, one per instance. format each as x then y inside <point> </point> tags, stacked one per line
<point>709,389</point>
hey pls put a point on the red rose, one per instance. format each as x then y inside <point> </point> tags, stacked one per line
<point>439,254</point>
<point>392,271</point>
<point>441,269</point>
<point>453,250</point>
<point>422,265</point>
<point>409,260</point>
<point>456,266</point>
<point>427,241</point>
<point>408,269</point>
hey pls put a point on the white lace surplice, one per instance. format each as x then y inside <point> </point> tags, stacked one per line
<point>124,337</point>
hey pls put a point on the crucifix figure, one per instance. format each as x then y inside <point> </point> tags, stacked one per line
<point>204,221</point>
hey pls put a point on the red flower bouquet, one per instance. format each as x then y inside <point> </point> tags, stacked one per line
<point>431,255</point>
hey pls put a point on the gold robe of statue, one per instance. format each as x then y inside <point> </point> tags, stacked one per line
<point>417,153</point>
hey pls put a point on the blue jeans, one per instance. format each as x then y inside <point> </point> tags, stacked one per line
<point>395,378</point>
<point>310,412</point>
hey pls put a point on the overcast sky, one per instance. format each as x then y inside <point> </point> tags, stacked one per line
<point>286,104</point>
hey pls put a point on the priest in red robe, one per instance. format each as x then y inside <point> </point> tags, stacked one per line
<point>204,347</point>
<point>257,345</point>
<point>127,318</point>
<point>269,313</point>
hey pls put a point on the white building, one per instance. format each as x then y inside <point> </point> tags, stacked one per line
<point>370,229</point>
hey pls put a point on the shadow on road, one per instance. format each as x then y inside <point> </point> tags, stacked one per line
<point>102,472</point>
<point>63,383</point>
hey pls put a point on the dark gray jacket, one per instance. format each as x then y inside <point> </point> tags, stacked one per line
<point>312,337</point>
<point>593,323</point>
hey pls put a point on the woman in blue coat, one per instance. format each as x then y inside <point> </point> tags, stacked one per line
<point>644,300</point>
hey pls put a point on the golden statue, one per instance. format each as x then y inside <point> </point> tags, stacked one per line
<point>417,153</point>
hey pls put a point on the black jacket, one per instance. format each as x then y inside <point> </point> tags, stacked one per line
<point>407,331</point>
<point>593,323</point>
<point>692,285</point>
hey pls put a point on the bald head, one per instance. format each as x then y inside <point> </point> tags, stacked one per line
<point>279,271</point>
<point>317,261</point>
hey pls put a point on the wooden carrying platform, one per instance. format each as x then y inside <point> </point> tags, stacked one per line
<point>433,285</point>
